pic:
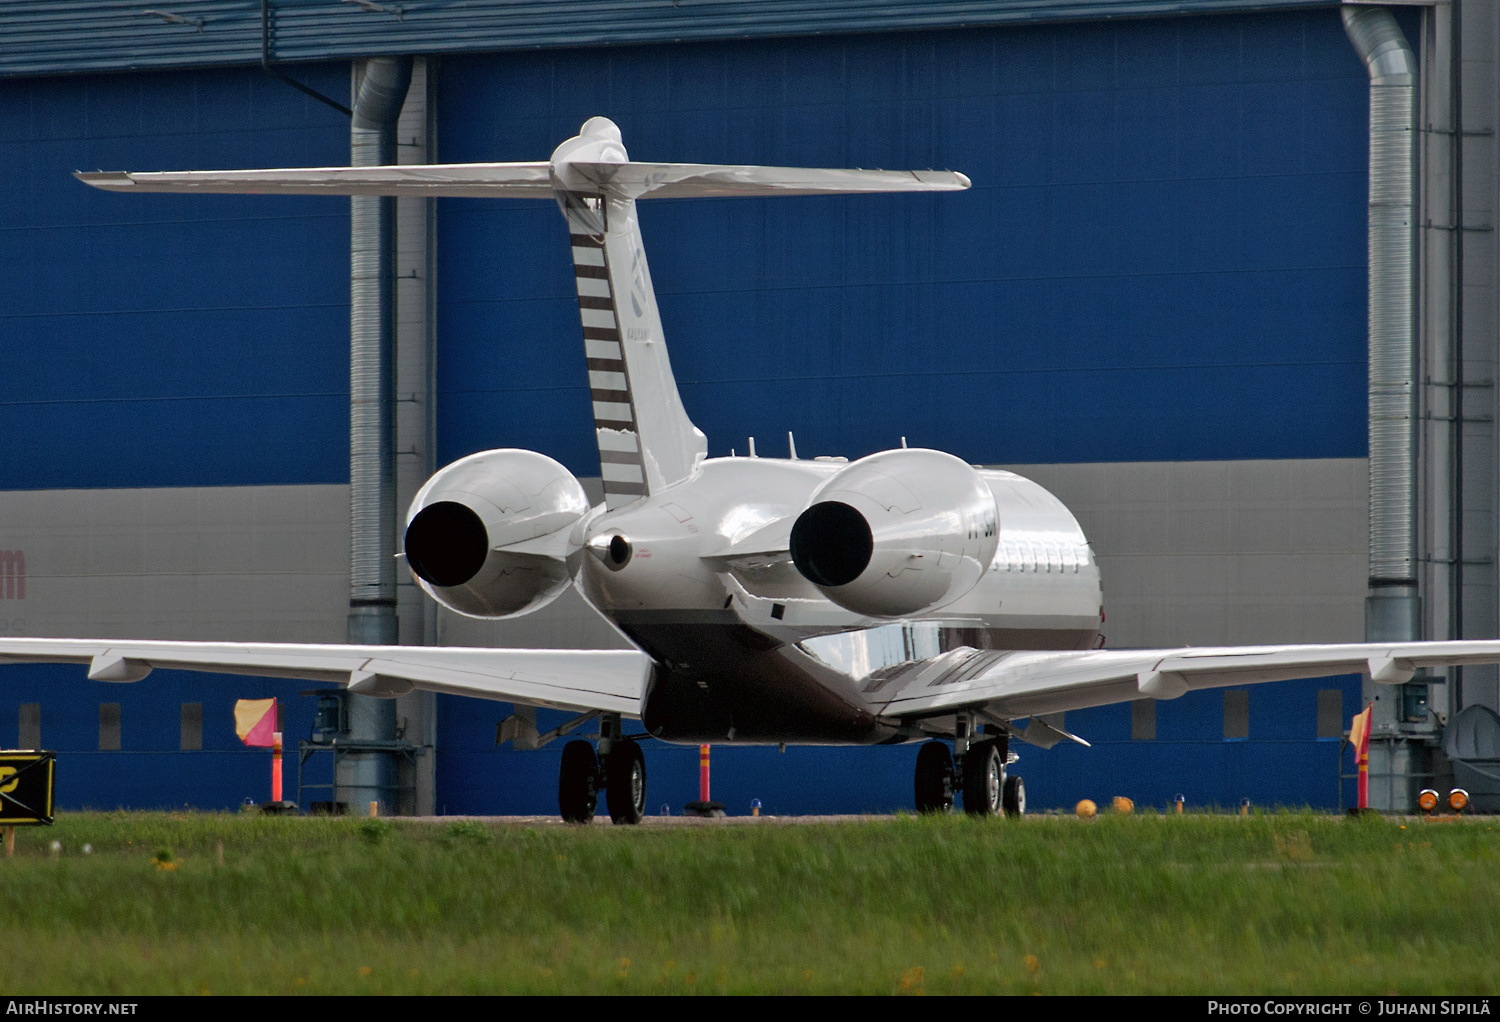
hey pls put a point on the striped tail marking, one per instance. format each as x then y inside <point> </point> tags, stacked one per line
<point>620,458</point>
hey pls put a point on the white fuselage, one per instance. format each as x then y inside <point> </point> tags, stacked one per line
<point>749,650</point>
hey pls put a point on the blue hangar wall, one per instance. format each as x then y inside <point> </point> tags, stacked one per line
<point>199,341</point>
<point>1162,259</point>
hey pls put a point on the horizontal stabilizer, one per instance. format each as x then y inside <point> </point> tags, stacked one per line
<point>458,180</point>
<point>532,180</point>
<point>711,180</point>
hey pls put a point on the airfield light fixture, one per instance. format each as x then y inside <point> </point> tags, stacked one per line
<point>1458,800</point>
<point>1427,801</point>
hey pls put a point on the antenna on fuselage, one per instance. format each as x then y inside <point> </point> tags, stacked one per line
<point>903,443</point>
<point>752,447</point>
<point>791,444</point>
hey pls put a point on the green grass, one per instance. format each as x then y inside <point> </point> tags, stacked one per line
<point>1281,903</point>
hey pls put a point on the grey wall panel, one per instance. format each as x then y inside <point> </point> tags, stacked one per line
<point>1191,552</point>
<point>1223,552</point>
<point>246,562</point>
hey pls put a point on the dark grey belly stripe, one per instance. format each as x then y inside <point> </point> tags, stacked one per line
<point>624,471</point>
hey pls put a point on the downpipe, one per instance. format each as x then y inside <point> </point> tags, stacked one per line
<point>365,777</point>
<point>1392,604</point>
<point>1392,607</point>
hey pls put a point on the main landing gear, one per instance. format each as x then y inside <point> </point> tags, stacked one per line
<point>980,776</point>
<point>618,769</point>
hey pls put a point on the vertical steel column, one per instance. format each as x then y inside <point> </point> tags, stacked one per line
<point>380,90</point>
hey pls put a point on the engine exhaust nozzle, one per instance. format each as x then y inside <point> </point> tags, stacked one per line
<point>831,543</point>
<point>446,543</point>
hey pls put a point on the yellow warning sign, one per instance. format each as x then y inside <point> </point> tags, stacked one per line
<point>26,788</point>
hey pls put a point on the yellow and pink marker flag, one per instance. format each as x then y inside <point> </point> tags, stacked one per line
<point>1359,737</point>
<point>255,721</point>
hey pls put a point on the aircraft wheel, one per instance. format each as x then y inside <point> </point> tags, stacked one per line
<point>1014,798</point>
<point>984,779</point>
<point>625,782</point>
<point>578,783</point>
<point>934,778</point>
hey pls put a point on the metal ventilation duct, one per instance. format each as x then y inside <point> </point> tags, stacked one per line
<point>372,392</point>
<point>1392,238</point>
<point>368,774</point>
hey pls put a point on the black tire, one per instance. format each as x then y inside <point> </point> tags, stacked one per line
<point>578,783</point>
<point>934,787</point>
<point>625,782</point>
<point>1015,796</point>
<point>984,779</point>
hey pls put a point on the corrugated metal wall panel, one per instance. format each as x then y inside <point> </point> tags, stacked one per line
<point>71,36</point>
<point>1162,257</point>
<point>188,341</point>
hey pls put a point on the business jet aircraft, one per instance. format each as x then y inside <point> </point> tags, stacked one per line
<point>905,596</point>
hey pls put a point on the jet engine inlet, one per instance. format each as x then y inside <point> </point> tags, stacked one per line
<point>446,544</point>
<point>831,543</point>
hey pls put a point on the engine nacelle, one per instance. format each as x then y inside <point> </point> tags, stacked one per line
<point>898,533</point>
<point>492,535</point>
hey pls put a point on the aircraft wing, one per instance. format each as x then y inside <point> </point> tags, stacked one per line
<point>1006,686</point>
<point>613,681</point>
